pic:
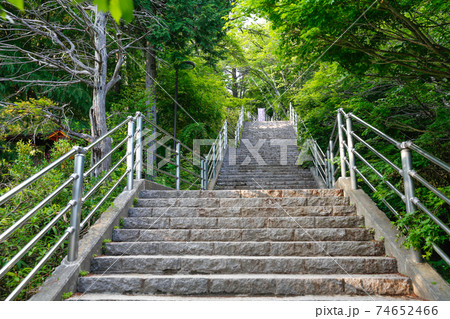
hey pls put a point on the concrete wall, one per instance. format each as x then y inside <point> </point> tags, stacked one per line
<point>64,278</point>
<point>427,283</point>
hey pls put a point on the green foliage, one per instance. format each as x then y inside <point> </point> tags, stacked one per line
<point>119,9</point>
<point>410,110</point>
<point>67,295</point>
<point>405,38</point>
<point>83,273</point>
<point>26,117</point>
<point>29,161</point>
<point>187,27</point>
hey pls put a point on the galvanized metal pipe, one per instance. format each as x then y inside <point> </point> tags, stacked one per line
<point>105,157</point>
<point>140,149</point>
<point>351,156</point>
<point>408,181</point>
<point>419,178</point>
<point>327,167</point>
<point>206,175</point>
<point>33,241</point>
<point>90,146</point>
<point>77,194</point>
<point>341,144</point>
<point>202,173</point>
<point>23,220</point>
<point>92,212</point>
<point>178,166</point>
<point>315,155</point>
<point>439,222</point>
<point>431,158</point>
<point>36,176</point>
<point>214,161</point>
<point>377,131</point>
<point>41,263</point>
<point>384,158</point>
<point>130,151</point>
<point>104,178</point>
<point>331,164</point>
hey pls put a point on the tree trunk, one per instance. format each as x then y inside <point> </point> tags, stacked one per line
<point>98,111</point>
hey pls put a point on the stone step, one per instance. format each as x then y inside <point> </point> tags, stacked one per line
<point>285,211</point>
<point>144,264</point>
<point>250,248</point>
<point>242,222</point>
<point>241,194</point>
<point>268,156</point>
<point>275,175</point>
<point>266,234</point>
<point>290,161</point>
<point>247,284</point>
<point>119,297</point>
<point>265,168</point>
<point>228,171</point>
<point>267,185</point>
<point>266,180</point>
<point>243,202</point>
<point>279,177</point>
<point>258,187</point>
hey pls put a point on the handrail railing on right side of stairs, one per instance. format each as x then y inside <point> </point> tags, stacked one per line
<point>344,137</point>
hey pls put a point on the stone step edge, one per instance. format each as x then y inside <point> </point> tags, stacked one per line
<point>246,193</point>
<point>243,257</point>
<point>248,284</point>
<point>139,297</point>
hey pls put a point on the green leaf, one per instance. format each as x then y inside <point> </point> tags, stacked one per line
<point>17,3</point>
<point>103,5</point>
<point>127,8</point>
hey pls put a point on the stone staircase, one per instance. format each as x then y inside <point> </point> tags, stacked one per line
<point>273,169</point>
<point>245,243</point>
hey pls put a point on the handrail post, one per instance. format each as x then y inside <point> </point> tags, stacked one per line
<point>328,169</point>
<point>332,164</point>
<point>214,160</point>
<point>130,152</point>
<point>351,155</point>
<point>316,163</point>
<point>408,182</point>
<point>226,134</point>
<point>202,174</point>
<point>77,195</point>
<point>139,153</point>
<point>178,166</point>
<point>341,144</point>
<point>206,174</point>
<point>220,140</point>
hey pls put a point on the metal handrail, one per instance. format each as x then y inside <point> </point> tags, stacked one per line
<point>90,146</point>
<point>100,203</point>
<point>345,138</point>
<point>5,197</point>
<point>384,158</point>
<point>76,204</point>
<point>216,154</point>
<point>105,157</point>
<point>375,130</point>
<point>429,157</point>
<point>6,234</point>
<point>134,162</point>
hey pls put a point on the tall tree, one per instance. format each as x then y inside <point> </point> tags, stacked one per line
<point>176,30</point>
<point>78,40</point>
<point>408,38</point>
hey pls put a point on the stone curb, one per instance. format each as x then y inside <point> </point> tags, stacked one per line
<point>427,283</point>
